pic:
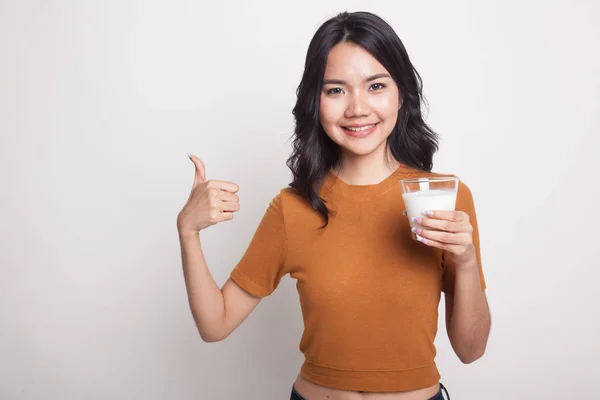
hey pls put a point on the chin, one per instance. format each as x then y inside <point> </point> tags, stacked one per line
<point>364,149</point>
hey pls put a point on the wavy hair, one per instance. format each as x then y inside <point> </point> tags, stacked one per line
<point>411,142</point>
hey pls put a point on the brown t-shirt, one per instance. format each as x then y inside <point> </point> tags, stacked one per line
<point>369,292</point>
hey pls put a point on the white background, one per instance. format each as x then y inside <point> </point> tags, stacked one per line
<point>101,100</point>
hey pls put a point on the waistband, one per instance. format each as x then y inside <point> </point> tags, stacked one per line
<point>438,396</point>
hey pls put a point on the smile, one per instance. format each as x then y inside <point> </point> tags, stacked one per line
<point>360,131</point>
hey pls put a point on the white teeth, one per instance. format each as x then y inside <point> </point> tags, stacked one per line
<point>362,128</point>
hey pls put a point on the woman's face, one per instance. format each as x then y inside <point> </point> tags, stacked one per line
<point>359,101</point>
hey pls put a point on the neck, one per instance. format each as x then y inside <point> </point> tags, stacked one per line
<point>366,169</point>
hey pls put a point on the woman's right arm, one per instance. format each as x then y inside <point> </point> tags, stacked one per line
<point>217,312</point>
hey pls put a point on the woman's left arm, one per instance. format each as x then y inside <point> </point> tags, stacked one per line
<point>468,318</point>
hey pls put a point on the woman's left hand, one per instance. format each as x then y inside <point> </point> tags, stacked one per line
<point>447,230</point>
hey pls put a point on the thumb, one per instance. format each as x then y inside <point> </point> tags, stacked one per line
<point>200,175</point>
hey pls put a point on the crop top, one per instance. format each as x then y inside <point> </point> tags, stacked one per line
<point>369,293</point>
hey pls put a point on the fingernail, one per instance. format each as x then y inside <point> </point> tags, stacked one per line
<point>428,213</point>
<point>420,238</point>
<point>416,230</point>
<point>416,220</point>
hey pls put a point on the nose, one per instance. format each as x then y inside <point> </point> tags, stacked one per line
<point>358,106</point>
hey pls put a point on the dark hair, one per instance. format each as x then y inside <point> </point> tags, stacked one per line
<point>411,141</point>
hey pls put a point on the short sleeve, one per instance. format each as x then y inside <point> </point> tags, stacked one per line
<point>464,202</point>
<point>262,265</point>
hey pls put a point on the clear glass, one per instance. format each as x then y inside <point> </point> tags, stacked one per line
<point>428,194</point>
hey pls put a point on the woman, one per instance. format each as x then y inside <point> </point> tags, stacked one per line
<point>369,287</point>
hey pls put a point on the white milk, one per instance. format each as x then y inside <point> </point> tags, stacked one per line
<point>428,200</point>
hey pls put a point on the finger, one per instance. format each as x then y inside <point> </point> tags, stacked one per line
<point>444,237</point>
<point>226,216</point>
<point>456,216</point>
<point>226,196</point>
<point>224,185</point>
<point>443,246</point>
<point>229,206</point>
<point>200,175</point>
<point>440,224</point>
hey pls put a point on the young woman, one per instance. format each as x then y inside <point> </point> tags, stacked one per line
<point>369,287</point>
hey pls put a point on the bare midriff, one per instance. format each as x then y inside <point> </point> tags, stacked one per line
<point>312,391</point>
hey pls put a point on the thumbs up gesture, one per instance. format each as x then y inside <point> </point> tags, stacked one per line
<point>210,202</point>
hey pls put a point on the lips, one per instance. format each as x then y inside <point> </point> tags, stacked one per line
<point>359,130</point>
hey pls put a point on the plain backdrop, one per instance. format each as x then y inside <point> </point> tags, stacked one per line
<point>100,101</point>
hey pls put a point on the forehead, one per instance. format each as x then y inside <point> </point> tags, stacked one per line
<point>347,60</point>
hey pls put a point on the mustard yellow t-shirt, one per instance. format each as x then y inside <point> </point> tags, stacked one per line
<point>369,292</point>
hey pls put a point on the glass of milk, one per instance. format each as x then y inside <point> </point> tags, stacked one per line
<point>428,194</point>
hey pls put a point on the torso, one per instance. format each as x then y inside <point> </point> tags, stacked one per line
<point>311,391</point>
<point>347,295</point>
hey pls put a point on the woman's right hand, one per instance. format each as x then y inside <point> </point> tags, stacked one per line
<point>210,202</point>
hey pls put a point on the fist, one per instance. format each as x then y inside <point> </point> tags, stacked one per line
<point>209,203</point>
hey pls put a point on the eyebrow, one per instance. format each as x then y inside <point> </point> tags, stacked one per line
<point>341,82</point>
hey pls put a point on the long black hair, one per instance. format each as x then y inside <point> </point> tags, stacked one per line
<point>412,141</point>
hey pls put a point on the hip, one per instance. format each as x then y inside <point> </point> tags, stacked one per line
<point>306,390</point>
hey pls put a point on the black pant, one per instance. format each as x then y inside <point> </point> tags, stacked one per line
<point>438,395</point>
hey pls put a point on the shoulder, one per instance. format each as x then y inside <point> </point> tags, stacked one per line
<point>294,209</point>
<point>289,200</point>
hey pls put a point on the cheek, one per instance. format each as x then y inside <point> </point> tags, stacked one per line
<point>329,111</point>
<point>387,106</point>
<point>329,117</point>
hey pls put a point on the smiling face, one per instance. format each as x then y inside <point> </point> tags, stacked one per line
<point>359,101</point>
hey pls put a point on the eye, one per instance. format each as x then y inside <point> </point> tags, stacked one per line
<point>377,86</point>
<point>336,90</point>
